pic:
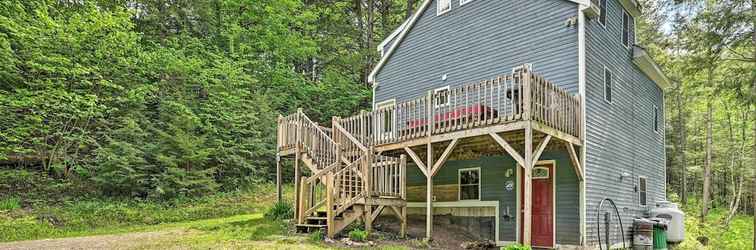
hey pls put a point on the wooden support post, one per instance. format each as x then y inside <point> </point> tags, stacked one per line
<point>304,199</point>
<point>512,152</point>
<point>576,163</point>
<point>366,181</point>
<point>541,147</point>
<point>279,179</point>
<point>403,191</point>
<point>297,183</point>
<point>528,187</point>
<point>429,197</point>
<point>329,206</point>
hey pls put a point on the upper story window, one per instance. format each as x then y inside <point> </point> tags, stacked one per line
<point>441,96</point>
<point>463,2</point>
<point>443,6</point>
<point>627,21</point>
<point>608,84</point>
<point>656,118</point>
<point>469,184</point>
<point>602,15</point>
<point>642,191</point>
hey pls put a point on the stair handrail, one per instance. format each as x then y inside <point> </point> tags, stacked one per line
<point>316,142</point>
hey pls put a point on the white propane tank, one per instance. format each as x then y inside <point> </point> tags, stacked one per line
<point>668,210</point>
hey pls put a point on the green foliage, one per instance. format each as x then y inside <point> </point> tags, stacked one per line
<point>317,236</point>
<point>10,203</point>
<point>358,235</point>
<point>516,247</point>
<point>87,216</point>
<point>279,211</point>
<point>162,102</point>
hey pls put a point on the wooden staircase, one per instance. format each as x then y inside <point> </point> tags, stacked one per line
<point>348,181</point>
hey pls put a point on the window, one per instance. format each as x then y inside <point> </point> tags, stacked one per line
<point>463,2</point>
<point>608,82</point>
<point>540,173</point>
<point>642,195</point>
<point>626,20</point>
<point>386,112</point>
<point>602,15</point>
<point>441,96</point>
<point>469,184</point>
<point>656,118</point>
<point>443,6</point>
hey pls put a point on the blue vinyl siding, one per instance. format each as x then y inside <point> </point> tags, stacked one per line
<point>480,40</point>
<point>620,136</point>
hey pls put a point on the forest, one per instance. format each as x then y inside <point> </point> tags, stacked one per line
<point>175,101</point>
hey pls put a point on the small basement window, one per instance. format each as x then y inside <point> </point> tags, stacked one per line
<point>642,194</point>
<point>608,84</point>
<point>443,6</point>
<point>441,96</point>
<point>463,2</point>
<point>469,184</point>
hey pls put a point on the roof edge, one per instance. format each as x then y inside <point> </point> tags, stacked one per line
<point>649,67</point>
<point>411,22</point>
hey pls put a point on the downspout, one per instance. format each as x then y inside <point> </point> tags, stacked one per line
<point>581,90</point>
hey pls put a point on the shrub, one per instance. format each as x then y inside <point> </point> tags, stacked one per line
<point>10,203</point>
<point>317,236</point>
<point>279,211</point>
<point>358,235</point>
<point>516,247</point>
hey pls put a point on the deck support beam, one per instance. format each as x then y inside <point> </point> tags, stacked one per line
<point>429,196</point>
<point>297,185</point>
<point>512,152</point>
<point>528,187</point>
<point>444,156</point>
<point>279,179</point>
<point>541,147</point>
<point>575,161</point>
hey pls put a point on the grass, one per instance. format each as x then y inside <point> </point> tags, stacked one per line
<point>102,216</point>
<point>738,235</point>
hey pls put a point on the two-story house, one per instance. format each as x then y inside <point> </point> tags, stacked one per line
<point>515,118</point>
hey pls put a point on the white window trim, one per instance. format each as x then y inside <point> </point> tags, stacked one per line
<point>613,83</point>
<point>459,183</point>
<point>544,177</point>
<point>463,2</point>
<point>448,95</point>
<point>622,33</point>
<point>438,7</point>
<point>606,15</point>
<point>386,103</point>
<point>657,119</point>
<point>639,190</point>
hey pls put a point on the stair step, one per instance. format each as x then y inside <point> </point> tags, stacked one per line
<point>309,228</point>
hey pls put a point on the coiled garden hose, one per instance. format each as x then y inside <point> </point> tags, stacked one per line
<point>598,224</point>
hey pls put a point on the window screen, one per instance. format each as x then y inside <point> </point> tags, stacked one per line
<point>642,191</point>
<point>469,184</point>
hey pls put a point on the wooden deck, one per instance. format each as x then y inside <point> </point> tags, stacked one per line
<point>360,161</point>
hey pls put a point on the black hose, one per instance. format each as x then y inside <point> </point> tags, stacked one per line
<point>598,223</point>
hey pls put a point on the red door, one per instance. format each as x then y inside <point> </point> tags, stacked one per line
<point>542,226</point>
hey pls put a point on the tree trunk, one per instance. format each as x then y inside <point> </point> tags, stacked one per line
<point>410,8</point>
<point>753,105</point>
<point>707,165</point>
<point>682,140</point>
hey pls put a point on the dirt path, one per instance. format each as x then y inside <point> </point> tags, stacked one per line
<point>114,241</point>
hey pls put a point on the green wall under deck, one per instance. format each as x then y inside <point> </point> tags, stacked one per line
<point>493,188</point>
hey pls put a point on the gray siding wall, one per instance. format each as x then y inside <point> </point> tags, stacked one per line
<point>493,188</point>
<point>480,40</point>
<point>620,136</point>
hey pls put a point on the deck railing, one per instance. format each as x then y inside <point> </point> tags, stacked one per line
<point>388,176</point>
<point>298,129</point>
<point>502,99</point>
